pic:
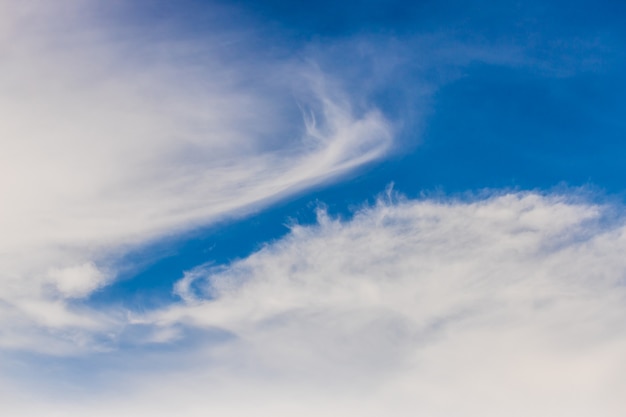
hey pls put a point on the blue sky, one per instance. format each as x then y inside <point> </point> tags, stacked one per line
<point>269,207</point>
<point>546,118</point>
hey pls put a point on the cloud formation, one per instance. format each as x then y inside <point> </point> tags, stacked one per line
<point>511,304</point>
<point>118,133</point>
<point>113,136</point>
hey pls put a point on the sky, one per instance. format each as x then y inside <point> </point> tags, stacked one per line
<point>270,208</point>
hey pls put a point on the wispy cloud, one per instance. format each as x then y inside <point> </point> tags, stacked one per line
<point>114,136</point>
<point>507,305</point>
<point>109,141</point>
<point>511,304</point>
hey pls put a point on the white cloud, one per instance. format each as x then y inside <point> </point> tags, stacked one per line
<point>117,134</point>
<point>510,305</point>
<point>77,281</point>
<point>507,305</point>
<point>113,136</point>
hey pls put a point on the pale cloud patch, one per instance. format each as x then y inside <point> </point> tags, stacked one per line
<point>509,305</point>
<point>77,281</point>
<point>504,305</point>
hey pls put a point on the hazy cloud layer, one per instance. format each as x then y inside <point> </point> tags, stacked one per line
<point>508,305</point>
<point>511,305</point>
<point>115,135</point>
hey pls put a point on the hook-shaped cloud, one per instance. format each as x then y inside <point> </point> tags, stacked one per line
<point>113,137</point>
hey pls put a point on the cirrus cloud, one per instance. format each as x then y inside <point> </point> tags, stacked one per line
<point>113,136</point>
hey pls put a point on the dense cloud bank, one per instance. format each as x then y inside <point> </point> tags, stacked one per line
<point>512,304</point>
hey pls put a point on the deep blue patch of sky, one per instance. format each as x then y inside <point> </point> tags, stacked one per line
<point>555,117</point>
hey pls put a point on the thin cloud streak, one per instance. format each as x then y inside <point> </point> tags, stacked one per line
<point>112,138</point>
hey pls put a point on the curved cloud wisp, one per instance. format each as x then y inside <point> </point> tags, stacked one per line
<point>112,137</point>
